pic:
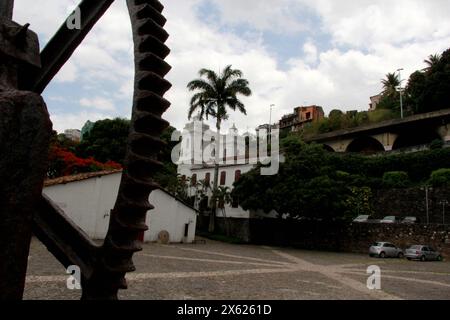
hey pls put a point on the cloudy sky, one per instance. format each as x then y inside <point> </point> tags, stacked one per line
<point>331,53</point>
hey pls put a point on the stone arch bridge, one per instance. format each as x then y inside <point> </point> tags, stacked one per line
<point>414,132</point>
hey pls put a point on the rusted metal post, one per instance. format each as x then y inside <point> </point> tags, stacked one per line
<point>25,130</point>
<point>6,9</point>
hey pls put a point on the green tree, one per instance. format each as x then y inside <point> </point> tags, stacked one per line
<point>214,94</point>
<point>415,92</point>
<point>390,98</point>
<point>396,179</point>
<point>306,186</point>
<point>440,178</point>
<point>390,84</point>
<point>432,62</point>
<point>316,184</point>
<point>223,197</point>
<point>167,175</point>
<point>335,114</point>
<point>436,94</point>
<point>359,202</point>
<point>429,90</point>
<point>107,140</point>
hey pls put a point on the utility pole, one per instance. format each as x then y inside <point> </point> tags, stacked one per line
<point>400,90</point>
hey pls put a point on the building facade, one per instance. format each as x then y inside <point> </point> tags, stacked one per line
<point>374,101</point>
<point>73,134</point>
<point>302,116</point>
<point>87,199</point>
<point>234,161</point>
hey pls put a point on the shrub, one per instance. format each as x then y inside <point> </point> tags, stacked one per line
<point>436,144</point>
<point>440,177</point>
<point>396,179</point>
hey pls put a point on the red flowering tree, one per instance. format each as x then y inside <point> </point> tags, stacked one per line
<point>63,162</point>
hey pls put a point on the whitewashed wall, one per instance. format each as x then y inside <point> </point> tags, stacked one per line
<point>172,216</point>
<point>89,202</point>
<point>188,171</point>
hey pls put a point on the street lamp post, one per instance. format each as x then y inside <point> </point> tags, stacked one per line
<point>400,90</point>
<point>444,204</point>
<point>427,206</point>
<point>270,124</point>
<point>270,121</point>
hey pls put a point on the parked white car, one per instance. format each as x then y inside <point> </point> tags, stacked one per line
<point>362,219</point>
<point>389,219</point>
<point>410,220</point>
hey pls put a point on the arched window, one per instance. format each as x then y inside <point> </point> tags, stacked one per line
<point>223,178</point>
<point>194,179</point>
<point>237,175</point>
<point>208,178</point>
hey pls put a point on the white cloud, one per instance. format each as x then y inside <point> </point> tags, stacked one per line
<point>276,16</point>
<point>98,103</point>
<point>367,23</point>
<point>310,51</point>
<point>68,73</point>
<point>367,40</point>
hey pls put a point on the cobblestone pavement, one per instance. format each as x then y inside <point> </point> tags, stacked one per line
<point>227,272</point>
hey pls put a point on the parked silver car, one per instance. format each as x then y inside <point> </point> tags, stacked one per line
<point>385,250</point>
<point>422,253</point>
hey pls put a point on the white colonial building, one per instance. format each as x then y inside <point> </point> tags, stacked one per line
<point>237,157</point>
<point>89,198</point>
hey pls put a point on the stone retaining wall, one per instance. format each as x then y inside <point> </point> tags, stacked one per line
<point>335,236</point>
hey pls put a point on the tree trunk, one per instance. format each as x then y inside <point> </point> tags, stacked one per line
<point>212,216</point>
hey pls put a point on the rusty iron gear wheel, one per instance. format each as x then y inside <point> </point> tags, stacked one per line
<point>128,217</point>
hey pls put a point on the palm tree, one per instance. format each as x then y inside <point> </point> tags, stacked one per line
<point>390,84</point>
<point>214,93</point>
<point>223,196</point>
<point>432,61</point>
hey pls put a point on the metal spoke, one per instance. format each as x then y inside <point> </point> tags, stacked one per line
<point>64,43</point>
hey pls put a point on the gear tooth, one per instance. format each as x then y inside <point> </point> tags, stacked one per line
<point>147,11</point>
<point>158,6</point>
<point>150,44</point>
<point>129,215</point>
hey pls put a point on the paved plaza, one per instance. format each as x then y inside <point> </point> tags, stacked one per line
<point>227,272</point>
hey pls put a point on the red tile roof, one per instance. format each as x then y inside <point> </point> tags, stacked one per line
<point>79,177</point>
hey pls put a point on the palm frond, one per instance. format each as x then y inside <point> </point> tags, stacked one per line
<point>200,84</point>
<point>210,75</point>
<point>216,93</point>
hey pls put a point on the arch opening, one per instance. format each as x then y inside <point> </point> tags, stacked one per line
<point>365,145</point>
<point>416,138</point>
<point>328,148</point>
